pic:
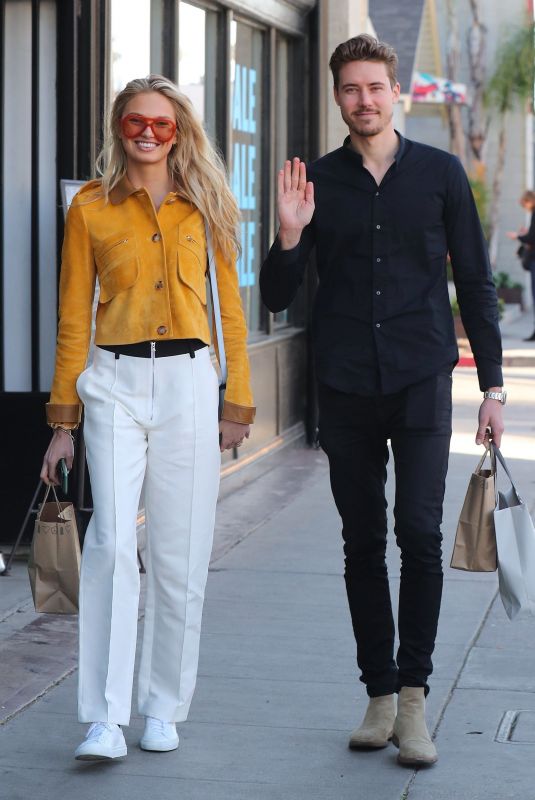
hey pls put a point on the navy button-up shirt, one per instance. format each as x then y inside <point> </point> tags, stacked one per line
<point>382,316</point>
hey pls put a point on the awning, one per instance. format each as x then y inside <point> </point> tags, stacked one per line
<point>428,88</point>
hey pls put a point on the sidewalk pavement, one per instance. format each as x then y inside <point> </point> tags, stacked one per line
<point>278,692</point>
<point>517,352</point>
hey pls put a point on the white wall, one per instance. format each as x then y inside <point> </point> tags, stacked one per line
<point>18,192</point>
<point>17,195</point>
<point>339,21</point>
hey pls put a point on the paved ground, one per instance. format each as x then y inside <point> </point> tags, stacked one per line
<point>277,691</point>
<point>517,352</point>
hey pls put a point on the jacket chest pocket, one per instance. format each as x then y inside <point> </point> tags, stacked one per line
<point>192,263</point>
<point>118,265</point>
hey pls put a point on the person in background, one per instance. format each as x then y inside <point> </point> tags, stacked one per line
<point>382,212</point>
<point>526,237</point>
<point>151,404</point>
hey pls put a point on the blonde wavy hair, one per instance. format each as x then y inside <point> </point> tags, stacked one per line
<point>197,170</point>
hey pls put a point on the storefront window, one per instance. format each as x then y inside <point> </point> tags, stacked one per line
<point>130,42</point>
<point>197,57</point>
<point>247,114</point>
<point>281,126</point>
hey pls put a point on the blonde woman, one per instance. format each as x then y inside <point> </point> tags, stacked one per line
<point>151,404</point>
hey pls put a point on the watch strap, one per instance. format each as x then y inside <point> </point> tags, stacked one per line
<point>501,396</point>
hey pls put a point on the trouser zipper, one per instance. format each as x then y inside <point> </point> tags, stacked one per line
<point>152,361</point>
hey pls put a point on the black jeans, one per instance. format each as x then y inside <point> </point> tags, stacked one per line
<point>354,430</point>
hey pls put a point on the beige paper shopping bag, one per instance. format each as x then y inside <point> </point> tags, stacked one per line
<point>475,540</point>
<point>54,563</point>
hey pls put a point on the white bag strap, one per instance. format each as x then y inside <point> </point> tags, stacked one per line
<point>501,459</point>
<point>216,307</point>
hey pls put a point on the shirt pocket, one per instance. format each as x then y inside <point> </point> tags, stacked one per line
<point>117,264</point>
<point>192,262</point>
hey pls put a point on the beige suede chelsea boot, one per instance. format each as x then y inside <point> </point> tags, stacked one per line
<point>377,725</point>
<point>410,730</point>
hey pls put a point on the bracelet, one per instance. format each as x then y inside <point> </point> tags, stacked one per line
<point>67,431</point>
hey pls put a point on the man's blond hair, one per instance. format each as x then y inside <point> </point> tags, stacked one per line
<point>364,48</point>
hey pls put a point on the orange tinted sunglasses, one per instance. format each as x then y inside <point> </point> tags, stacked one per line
<point>133,125</point>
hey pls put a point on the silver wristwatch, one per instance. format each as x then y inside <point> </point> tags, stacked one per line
<point>501,396</point>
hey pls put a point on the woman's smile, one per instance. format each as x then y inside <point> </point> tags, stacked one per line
<point>143,144</point>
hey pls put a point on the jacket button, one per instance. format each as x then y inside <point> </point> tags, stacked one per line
<point>158,285</point>
<point>161,330</point>
<point>156,237</point>
<point>189,238</point>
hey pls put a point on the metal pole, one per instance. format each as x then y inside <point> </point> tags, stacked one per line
<point>31,510</point>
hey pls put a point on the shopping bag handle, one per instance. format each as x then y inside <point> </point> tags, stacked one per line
<point>216,307</point>
<point>488,452</point>
<point>501,459</point>
<point>45,498</point>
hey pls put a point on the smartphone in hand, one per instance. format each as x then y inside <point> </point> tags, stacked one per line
<point>63,475</point>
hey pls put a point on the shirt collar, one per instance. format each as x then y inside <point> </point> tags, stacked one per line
<point>123,189</point>
<point>348,150</point>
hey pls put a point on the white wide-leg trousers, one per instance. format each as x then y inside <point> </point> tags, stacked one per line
<point>151,421</point>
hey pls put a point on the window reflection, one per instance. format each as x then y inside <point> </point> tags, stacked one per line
<point>192,55</point>
<point>130,42</point>
<point>197,59</point>
<point>281,123</point>
<point>246,157</point>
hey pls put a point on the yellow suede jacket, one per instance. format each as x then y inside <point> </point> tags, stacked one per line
<point>151,268</point>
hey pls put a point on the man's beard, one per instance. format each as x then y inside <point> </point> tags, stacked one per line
<point>365,129</point>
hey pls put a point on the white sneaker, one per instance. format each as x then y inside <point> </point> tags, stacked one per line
<point>103,740</point>
<point>159,735</point>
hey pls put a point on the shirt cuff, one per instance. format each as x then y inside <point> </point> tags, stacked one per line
<point>489,374</point>
<point>68,416</point>
<point>233,413</point>
<point>286,257</point>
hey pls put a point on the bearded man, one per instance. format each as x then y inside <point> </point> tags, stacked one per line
<point>382,213</point>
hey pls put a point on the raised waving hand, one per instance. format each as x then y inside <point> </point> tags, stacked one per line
<point>295,202</point>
